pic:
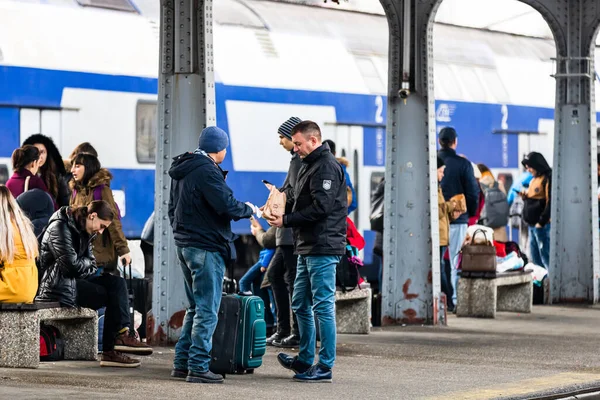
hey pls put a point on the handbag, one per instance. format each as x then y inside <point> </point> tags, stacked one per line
<point>480,257</point>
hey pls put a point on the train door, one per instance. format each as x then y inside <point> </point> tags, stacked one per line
<point>52,123</point>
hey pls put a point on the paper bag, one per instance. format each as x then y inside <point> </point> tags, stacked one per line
<point>275,205</point>
<point>461,203</point>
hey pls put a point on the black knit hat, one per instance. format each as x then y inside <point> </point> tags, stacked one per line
<point>286,128</point>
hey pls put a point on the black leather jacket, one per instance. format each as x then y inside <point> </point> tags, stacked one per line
<point>65,255</point>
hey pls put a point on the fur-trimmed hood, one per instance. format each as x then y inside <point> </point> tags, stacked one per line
<point>343,161</point>
<point>102,177</point>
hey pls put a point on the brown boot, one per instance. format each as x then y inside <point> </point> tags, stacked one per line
<point>132,345</point>
<point>116,359</point>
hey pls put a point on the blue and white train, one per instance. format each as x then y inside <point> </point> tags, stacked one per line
<point>77,70</point>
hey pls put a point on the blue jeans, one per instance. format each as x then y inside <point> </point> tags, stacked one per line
<point>203,272</point>
<point>458,233</point>
<point>249,277</point>
<point>539,245</point>
<point>314,291</point>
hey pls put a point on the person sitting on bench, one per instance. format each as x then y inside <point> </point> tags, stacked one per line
<point>18,250</point>
<point>68,270</point>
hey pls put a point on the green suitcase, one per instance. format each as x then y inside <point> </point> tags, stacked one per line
<point>240,339</point>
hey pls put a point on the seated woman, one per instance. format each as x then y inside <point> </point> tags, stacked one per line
<point>68,270</point>
<point>18,250</point>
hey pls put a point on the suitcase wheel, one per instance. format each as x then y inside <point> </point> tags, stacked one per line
<point>250,371</point>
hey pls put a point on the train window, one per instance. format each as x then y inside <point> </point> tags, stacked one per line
<point>120,5</point>
<point>145,132</point>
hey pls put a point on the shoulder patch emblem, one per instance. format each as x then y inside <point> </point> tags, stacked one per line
<point>326,184</point>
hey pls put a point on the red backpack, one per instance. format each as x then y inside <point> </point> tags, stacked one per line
<point>52,345</point>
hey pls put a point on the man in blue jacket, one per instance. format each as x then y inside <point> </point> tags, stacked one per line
<point>459,178</point>
<point>201,207</point>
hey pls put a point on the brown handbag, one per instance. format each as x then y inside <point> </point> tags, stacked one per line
<point>479,257</point>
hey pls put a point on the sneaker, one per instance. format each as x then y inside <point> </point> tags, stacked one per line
<point>117,359</point>
<point>132,345</point>
<point>203,377</point>
<point>292,363</point>
<point>276,336</point>
<point>316,373</point>
<point>288,342</point>
<point>179,373</point>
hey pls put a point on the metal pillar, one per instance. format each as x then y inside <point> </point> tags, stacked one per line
<point>186,106</point>
<point>574,268</point>
<point>411,266</point>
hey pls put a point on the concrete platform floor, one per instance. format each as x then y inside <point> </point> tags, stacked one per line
<point>551,351</point>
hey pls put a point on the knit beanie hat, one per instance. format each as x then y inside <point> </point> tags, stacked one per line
<point>286,128</point>
<point>213,140</point>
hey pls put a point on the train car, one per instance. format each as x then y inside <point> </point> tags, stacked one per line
<point>83,70</point>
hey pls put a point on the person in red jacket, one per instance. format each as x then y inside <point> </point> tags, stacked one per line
<point>25,162</point>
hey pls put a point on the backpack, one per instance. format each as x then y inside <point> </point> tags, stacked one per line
<point>52,345</point>
<point>495,208</point>
<point>97,195</point>
<point>346,272</point>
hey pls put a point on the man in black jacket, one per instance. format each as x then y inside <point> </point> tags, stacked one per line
<point>317,212</point>
<point>282,270</point>
<point>459,178</point>
<point>201,208</point>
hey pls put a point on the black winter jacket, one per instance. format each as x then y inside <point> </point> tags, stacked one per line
<point>201,205</point>
<point>285,236</point>
<point>65,255</point>
<point>459,178</point>
<point>319,207</point>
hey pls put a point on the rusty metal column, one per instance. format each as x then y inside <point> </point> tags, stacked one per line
<point>411,267</point>
<point>186,105</point>
<point>574,260</point>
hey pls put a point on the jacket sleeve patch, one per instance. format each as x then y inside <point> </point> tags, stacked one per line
<point>327,184</point>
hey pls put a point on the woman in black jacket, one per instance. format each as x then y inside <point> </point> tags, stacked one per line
<point>68,270</point>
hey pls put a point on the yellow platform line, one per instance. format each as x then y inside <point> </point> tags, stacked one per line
<point>522,387</point>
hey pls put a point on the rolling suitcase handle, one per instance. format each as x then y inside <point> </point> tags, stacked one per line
<point>131,298</point>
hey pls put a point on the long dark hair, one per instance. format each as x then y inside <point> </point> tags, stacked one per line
<point>54,168</point>
<point>90,163</point>
<point>99,207</point>
<point>23,156</point>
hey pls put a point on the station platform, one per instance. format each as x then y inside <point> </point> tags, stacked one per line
<point>552,353</point>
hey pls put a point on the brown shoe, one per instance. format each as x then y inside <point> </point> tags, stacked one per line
<point>116,359</point>
<point>132,345</point>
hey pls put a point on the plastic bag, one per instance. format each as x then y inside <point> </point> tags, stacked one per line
<point>275,205</point>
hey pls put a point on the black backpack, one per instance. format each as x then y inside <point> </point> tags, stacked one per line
<point>495,208</point>
<point>346,272</point>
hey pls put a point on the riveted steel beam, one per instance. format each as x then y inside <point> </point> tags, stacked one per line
<point>185,106</point>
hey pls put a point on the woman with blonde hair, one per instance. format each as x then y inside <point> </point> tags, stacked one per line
<point>18,250</point>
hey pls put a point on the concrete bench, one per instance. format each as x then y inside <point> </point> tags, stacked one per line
<point>20,332</point>
<point>508,291</point>
<point>353,311</point>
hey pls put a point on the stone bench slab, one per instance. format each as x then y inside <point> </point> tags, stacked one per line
<point>511,291</point>
<point>20,334</point>
<point>353,311</point>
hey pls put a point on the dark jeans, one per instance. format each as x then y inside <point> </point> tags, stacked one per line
<point>282,274</point>
<point>445,277</point>
<point>108,291</point>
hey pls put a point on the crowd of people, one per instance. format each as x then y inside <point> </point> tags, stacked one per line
<point>61,240</point>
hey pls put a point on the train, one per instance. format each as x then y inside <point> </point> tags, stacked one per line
<point>81,70</point>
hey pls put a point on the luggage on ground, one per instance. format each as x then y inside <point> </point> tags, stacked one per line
<point>240,339</point>
<point>52,345</point>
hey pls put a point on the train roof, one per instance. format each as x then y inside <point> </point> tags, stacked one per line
<point>279,45</point>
